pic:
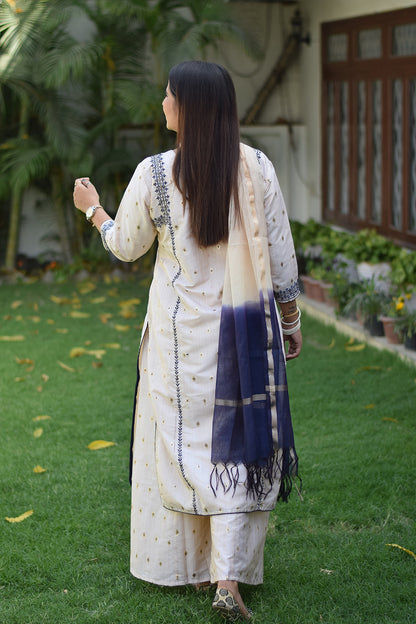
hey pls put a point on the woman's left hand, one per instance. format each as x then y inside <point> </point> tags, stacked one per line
<point>295,345</point>
<point>85,194</point>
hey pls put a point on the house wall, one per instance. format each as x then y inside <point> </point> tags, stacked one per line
<point>296,102</point>
<point>279,130</point>
<point>317,12</point>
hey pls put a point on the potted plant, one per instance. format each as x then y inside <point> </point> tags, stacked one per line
<point>407,324</point>
<point>394,310</point>
<point>373,254</point>
<point>369,302</point>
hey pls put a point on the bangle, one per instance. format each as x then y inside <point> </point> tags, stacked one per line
<point>292,330</point>
<point>289,315</point>
<point>296,319</point>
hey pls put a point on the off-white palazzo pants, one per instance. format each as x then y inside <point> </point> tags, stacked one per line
<point>173,548</point>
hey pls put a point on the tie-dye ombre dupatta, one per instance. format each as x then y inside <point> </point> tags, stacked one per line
<point>252,423</point>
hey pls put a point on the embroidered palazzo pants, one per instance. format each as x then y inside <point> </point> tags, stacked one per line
<point>174,548</point>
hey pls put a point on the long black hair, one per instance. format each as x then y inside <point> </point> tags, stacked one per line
<point>206,164</point>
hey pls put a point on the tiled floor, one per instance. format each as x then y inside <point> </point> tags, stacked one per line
<point>351,328</point>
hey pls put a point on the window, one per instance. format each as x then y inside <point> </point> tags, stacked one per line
<point>369,123</point>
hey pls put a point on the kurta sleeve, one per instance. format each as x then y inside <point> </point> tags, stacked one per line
<point>132,232</point>
<point>284,268</point>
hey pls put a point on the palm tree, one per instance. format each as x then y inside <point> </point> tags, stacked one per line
<point>66,104</point>
<point>42,125</point>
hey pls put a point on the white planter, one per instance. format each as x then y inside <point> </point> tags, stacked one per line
<point>379,272</point>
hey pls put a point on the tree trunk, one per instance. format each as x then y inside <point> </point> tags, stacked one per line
<point>14,227</point>
<point>63,226</point>
<point>16,198</point>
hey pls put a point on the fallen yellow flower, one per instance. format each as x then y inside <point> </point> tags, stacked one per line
<point>60,300</point>
<point>358,347</point>
<point>77,314</point>
<point>77,351</point>
<point>122,328</point>
<point>406,550</point>
<point>390,419</point>
<point>37,432</point>
<point>129,302</point>
<point>99,444</point>
<point>16,304</point>
<point>65,367</point>
<point>39,469</point>
<point>42,417</point>
<point>23,516</point>
<point>105,316</point>
<point>24,361</point>
<point>86,288</point>
<point>98,299</point>
<point>17,338</point>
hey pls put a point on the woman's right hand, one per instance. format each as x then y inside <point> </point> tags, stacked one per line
<point>85,194</point>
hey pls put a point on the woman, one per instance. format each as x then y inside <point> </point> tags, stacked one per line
<point>212,441</point>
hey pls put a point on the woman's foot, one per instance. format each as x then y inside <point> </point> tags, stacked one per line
<point>229,603</point>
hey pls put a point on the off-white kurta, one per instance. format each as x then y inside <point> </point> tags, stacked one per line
<point>175,400</point>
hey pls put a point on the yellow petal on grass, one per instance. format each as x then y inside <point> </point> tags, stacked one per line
<point>369,368</point>
<point>390,419</point>
<point>105,317</point>
<point>357,347</point>
<point>127,312</point>
<point>17,338</point>
<point>60,300</point>
<point>122,328</point>
<point>129,302</point>
<point>65,367</point>
<point>86,288</point>
<point>369,406</point>
<point>45,377</point>
<point>39,470</point>
<point>77,351</point>
<point>24,361</point>
<point>406,550</point>
<point>23,516</point>
<point>350,341</point>
<point>61,330</point>
<point>37,432</point>
<point>112,345</point>
<point>78,314</point>
<point>97,364</point>
<point>16,304</point>
<point>18,379</point>
<point>35,319</point>
<point>97,353</point>
<point>99,444</point>
<point>41,417</point>
<point>98,299</point>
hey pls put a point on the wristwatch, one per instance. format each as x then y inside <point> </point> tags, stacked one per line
<point>90,212</point>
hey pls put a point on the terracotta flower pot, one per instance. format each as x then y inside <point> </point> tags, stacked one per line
<point>393,335</point>
<point>308,285</point>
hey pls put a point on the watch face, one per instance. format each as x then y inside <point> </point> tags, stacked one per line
<point>89,213</point>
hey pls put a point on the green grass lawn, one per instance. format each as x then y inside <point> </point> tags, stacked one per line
<point>326,558</point>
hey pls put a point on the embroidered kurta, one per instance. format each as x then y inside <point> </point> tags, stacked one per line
<point>179,351</point>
